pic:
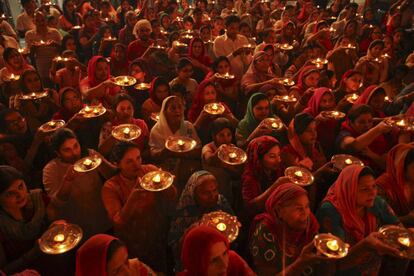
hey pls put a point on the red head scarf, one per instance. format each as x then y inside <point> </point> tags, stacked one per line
<point>92,81</point>
<point>25,65</point>
<point>315,100</point>
<point>347,75</point>
<point>198,103</point>
<point>282,195</point>
<point>196,248</point>
<point>304,72</point>
<point>91,256</point>
<point>365,97</point>
<point>393,182</point>
<point>342,195</point>
<point>202,58</point>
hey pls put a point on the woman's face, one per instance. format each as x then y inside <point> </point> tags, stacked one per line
<point>32,82</point>
<point>376,33</point>
<point>130,164</point>
<point>124,110</point>
<point>70,45</point>
<point>185,72</point>
<point>16,123</point>
<point>174,110</point>
<point>363,123</point>
<point>107,33</point>
<point>376,51</point>
<point>206,194</point>
<point>327,102</point>
<point>351,29</point>
<point>261,110</point>
<point>15,197</point>
<point>271,159</point>
<point>70,7</point>
<point>165,21</point>
<point>136,71</point>
<point>377,101</point>
<point>308,137</point>
<point>101,71</point>
<point>162,92</point>
<point>223,137</point>
<point>218,262</point>
<point>205,34</point>
<point>119,53</point>
<point>354,82</point>
<point>118,263</point>
<point>219,24</point>
<point>72,101</point>
<point>197,48</point>
<point>295,213</point>
<point>210,94</point>
<point>15,60</point>
<point>366,192</point>
<point>223,67</point>
<point>312,79</point>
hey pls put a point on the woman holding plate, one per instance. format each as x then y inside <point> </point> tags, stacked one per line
<point>140,217</point>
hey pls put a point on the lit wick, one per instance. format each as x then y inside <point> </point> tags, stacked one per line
<point>59,238</point>
<point>87,163</point>
<point>96,111</point>
<point>52,124</point>
<point>88,109</point>
<point>126,81</point>
<point>232,155</point>
<point>221,226</point>
<point>156,179</point>
<point>126,132</point>
<point>274,125</point>
<point>335,113</point>
<point>332,245</point>
<point>299,174</point>
<point>348,161</point>
<point>214,107</point>
<point>401,123</point>
<point>404,241</point>
<point>180,144</point>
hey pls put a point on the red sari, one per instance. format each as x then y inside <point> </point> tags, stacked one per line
<point>366,96</point>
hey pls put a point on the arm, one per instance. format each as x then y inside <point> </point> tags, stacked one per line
<point>364,140</point>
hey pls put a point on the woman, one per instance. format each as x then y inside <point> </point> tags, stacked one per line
<point>158,92</point>
<point>207,94</point>
<point>373,67</point>
<point>284,230</point>
<point>350,84</point>
<point>102,45</point>
<point>258,74</point>
<point>14,64</point>
<point>201,62</point>
<point>251,126</point>
<point>352,211</point>
<point>396,182</point>
<point>98,87</point>
<point>308,79</point>
<point>327,128</point>
<point>303,148</point>
<point>342,58</point>
<point>262,174</point>
<point>104,255</point>
<point>200,196</point>
<point>207,252</point>
<point>138,68</point>
<point>359,136</point>
<point>133,210</point>
<point>70,101</point>
<point>23,220</point>
<point>70,17</point>
<point>171,123</point>
<point>123,108</point>
<point>374,96</point>
<point>119,61</point>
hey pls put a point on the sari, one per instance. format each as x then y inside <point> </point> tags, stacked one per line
<point>248,124</point>
<point>374,72</point>
<point>366,96</point>
<point>303,73</point>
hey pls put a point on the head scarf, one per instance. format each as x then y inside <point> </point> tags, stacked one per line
<point>154,85</point>
<point>304,72</point>
<point>392,182</point>
<point>366,96</point>
<point>25,65</point>
<point>92,81</point>
<point>282,195</point>
<point>187,196</point>
<point>91,256</point>
<point>197,244</point>
<point>249,122</point>
<point>198,103</point>
<point>315,100</point>
<point>202,58</point>
<point>252,71</point>
<point>346,76</point>
<point>342,195</point>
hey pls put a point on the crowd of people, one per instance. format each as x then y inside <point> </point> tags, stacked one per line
<point>247,55</point>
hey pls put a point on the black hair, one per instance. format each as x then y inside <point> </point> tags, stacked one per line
<point>8,175</point>
<point>120,149</point>
<point>358,110</point>
<point>376,43</point>
<point>205,27</point>
<point>112,248</point>
<point>217,62</point>
<point>245,24</point>
<point>179,88</point>
<point>183,62</point>
<point>366,171</point>
<point>219,124</point>
<point>231,19</point>
<point>3,114</point>
<point>22,84</point>
<point>25,2</point>
<point>409,158</point>
<point>302,121</point>
<point>65,39</point>
<point>59,137</point>
<point>188,18</point>
<point>65,90</point>
<point>8,52</point>
<point>122,97</point>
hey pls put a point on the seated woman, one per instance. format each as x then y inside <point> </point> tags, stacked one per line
<point>352,211</point>
<point>123,108</point>
<point>119,61</point>
<point>258,74</point>
<point>262,174</point>
<point>36,112</point>
<point>350,84</point>
<point>359,137</point>
<point>70,16</point>
<point>133,210</point>
<point>14,63</point>
<point>98,87</point>
<point>200,196</point>
<point>106,255</point>
<point>206,251</point>
<point>374,72</point>
<point>251,126</point>
<point>308,79</point>
<point>20,147</point>
<point>159,90</point>
<point>374,96</point>
<point>283,234</point>
<point>171,123</point>
<point>201,119</point>
<point>72,72</point>
<point>199,58</point>
<point>70,101</point>
<point>102,46</point>
<point>327,128</point>
<point>341,58</point>
<point>303,148</point>
<point>395,184</point>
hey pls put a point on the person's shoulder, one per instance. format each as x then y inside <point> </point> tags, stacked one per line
<point>51,165</point>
